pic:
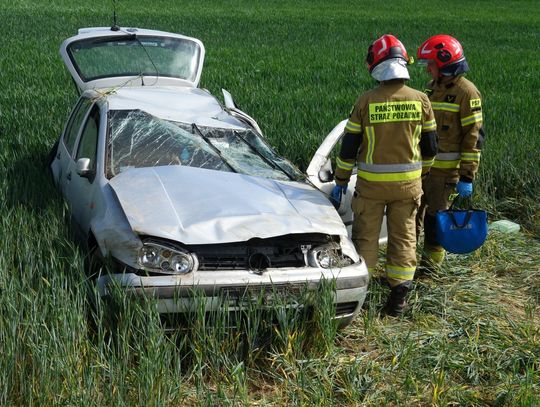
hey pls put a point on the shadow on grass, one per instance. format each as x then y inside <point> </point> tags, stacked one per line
<point>29,180</point>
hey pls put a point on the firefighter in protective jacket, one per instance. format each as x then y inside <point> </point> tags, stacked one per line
<point>457,105</point>
<point>390,133</point>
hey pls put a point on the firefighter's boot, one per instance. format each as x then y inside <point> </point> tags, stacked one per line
<point>431,262</point>
<point>396,301</point>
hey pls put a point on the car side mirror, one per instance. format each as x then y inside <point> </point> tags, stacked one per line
<point>84,170</point>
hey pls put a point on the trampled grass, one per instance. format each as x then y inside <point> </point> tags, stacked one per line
<point>472,334</point>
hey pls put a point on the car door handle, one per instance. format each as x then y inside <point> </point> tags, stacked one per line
<point>69,176</point>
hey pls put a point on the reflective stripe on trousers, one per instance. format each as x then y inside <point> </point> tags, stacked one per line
<point>400,273</point>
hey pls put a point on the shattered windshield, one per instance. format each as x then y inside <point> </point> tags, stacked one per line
<point>138,139</point>
<point>96,58</point>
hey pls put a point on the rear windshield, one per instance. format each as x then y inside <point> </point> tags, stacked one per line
<point>97,58</point>
<point>138,139</point>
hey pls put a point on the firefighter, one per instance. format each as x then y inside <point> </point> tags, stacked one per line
<point>457,105</point>
<point>390,132</point>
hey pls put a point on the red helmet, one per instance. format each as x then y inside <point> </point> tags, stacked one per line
<point>385,48</point>
<point>442,49</point>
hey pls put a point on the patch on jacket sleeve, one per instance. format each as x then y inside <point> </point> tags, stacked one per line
<point>475,103</point>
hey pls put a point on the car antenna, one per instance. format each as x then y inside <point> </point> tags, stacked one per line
<point>114,26</point>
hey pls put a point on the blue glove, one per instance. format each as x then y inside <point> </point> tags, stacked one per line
<point>464,189</point>
<point>335,195</point>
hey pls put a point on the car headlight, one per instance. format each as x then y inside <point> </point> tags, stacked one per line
<point>328,256</point>
<point>167,260</point>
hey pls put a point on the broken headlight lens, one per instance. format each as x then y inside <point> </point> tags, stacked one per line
<point>167,260</point>
<point>328,256</point>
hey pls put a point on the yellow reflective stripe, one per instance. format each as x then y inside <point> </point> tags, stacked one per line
<point>399,111</point>
<point>390,176</point>
<point>477,117</point>
<point>399,268</point>
<point>400,273</point>
<point>448,156</point>
<point>416,143</point>
<point>475,156</point>
<point>446,164</point>
<point>430,125</point>
<point>435,256</point>
<point>447,107</point>
<point>386,168</point>
<point>370,133</point>
<point>344,165</point>
<point>428,163</point>
<point>353,127</point>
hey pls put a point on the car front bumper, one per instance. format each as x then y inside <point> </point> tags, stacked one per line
<point>175,294</point>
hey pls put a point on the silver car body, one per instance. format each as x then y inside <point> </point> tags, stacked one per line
<point>118,208</point>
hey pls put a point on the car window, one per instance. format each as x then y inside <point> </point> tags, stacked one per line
<point>138,139</point>
<point>249,154</point>
<point>96,58</point>
<point>88,144</point>
<point>75,122</point>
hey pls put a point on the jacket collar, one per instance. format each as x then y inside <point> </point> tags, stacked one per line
<point>447,81</point>
<point>393,82</point>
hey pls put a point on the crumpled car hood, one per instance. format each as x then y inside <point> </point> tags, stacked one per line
<point>200,206</point>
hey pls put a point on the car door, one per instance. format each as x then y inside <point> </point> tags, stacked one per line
<point>321,173</point>
<point>65,150</point>
<point>81,190</point>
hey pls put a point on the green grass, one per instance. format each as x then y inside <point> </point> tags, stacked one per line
<point>471,336</point>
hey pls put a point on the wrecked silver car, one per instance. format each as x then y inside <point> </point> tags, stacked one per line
<point>183,192</point>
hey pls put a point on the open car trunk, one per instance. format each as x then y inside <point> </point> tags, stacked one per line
<point>99,58</point>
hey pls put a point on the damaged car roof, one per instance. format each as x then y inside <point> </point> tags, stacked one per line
<point>188,105</point>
